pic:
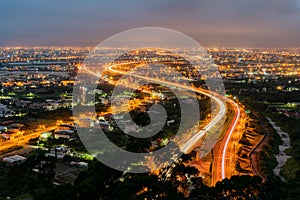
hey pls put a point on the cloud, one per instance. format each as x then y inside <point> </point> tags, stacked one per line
<point>88,22</point>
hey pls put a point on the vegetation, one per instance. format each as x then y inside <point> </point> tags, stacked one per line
<point>19,179</point>
<point>266,103</point>
<point>179,182</point>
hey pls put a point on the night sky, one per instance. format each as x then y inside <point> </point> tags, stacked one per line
<point>232,23</point>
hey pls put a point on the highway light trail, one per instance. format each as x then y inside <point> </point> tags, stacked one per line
<point>189,145</point>
<point>220,100</point>
<point>237,116</point>
<point>222,111</point>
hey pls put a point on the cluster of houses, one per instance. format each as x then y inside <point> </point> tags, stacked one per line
<point>10,130</point>
<point>288,109</point>
<point>47,105</point>
<point>65,131</point>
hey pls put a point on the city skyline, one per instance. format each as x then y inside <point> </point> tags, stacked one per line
<point>166,99</point>
<point>212,24</point>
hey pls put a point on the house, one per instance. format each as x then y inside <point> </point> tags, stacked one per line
<point>79,164</point>
<point>5,136</point>
<point>59,152</point>
<point>292,113</point>
<point>67,134</point>
<point>3,129</point>
<point>2,139</point>
<point>14,159</point>
<point>16,126</point>
<point>5,111</point>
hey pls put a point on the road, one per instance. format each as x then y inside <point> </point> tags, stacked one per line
<point>224,151</point>
<point>22,140</point>
<point>221,165</point>
<point>259,147</point>
<point>190,144</point>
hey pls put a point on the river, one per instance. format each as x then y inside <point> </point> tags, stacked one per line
<point>281,157</point>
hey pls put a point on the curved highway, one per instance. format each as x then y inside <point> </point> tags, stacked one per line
<point>190,144</point>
